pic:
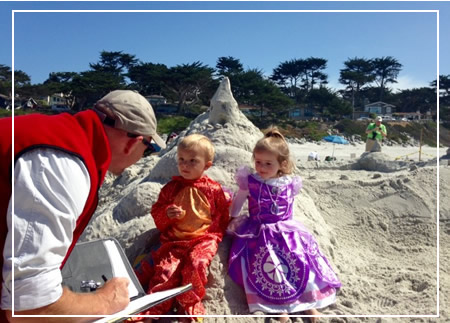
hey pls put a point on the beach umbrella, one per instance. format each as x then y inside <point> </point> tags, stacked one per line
<point>335,140</point>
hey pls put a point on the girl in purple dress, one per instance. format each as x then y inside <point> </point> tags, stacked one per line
<point>273,257</point>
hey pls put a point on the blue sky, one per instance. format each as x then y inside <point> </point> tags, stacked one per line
<point>62,41</point>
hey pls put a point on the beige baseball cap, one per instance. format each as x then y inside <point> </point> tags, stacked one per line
<point>379,118</point>
<point>132,113</point>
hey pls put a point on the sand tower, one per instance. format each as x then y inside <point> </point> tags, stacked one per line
<point>232,134</point>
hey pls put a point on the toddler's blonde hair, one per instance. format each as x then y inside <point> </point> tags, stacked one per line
<point>274,142</point>
<point>198,142</point>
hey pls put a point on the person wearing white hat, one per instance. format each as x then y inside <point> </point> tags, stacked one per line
<point>59,163</point>
<point>375,131</point>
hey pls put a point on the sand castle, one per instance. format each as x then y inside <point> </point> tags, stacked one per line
<point>232,134</point>
<point>377,228</point>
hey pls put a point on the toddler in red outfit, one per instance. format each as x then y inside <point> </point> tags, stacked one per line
<point>192,214</point>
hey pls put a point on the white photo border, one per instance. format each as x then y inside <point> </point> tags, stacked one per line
<point>239,11</point>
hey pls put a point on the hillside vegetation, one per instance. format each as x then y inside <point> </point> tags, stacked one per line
<point>399,132</point>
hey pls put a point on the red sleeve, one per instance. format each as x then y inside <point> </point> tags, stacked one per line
<point>159,209</point>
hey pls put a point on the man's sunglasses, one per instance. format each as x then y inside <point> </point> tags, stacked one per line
<point>150,149</point>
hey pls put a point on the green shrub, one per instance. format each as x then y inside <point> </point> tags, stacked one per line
<point>5,113</point>
<point>350,127</point>
<point>312,130</point>
<point>195,110</point>
<point>400,133</point>
<point>19,112</point>
<point>173,124</point>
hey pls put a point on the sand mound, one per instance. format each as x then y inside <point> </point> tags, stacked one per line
<point>378,229</point>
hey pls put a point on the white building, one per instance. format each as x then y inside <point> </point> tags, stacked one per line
<point>380,108</point>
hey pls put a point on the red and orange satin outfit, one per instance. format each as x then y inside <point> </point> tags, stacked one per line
<point>188,243</point>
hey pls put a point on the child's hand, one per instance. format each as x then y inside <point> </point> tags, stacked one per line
<point>228,194</point>
<point>175,211</point>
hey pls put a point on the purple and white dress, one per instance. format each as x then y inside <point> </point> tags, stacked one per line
<point>273,257</point>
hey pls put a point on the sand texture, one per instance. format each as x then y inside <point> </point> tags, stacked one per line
<point>375,218</point>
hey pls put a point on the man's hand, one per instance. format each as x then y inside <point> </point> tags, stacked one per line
<point>111,298</point>
<point>175,211</point>
<point>115,294</point>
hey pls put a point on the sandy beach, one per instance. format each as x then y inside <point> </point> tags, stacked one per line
<point>353,151</point>
<point>378,229</point>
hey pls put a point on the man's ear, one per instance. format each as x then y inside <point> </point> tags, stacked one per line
<point>208,165</point>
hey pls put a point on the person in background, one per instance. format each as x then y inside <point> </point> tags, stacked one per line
<point>192,214</point>
<point>171,137</point>
<point>375,131</point>
<point>274,257</point>
<point>59,165</point>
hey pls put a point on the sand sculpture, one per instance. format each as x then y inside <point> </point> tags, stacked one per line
<point>377,228</point>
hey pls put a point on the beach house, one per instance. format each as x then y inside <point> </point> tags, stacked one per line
<point>380,108</point>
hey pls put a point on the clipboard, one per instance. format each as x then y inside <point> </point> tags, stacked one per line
<point>92,263</point>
